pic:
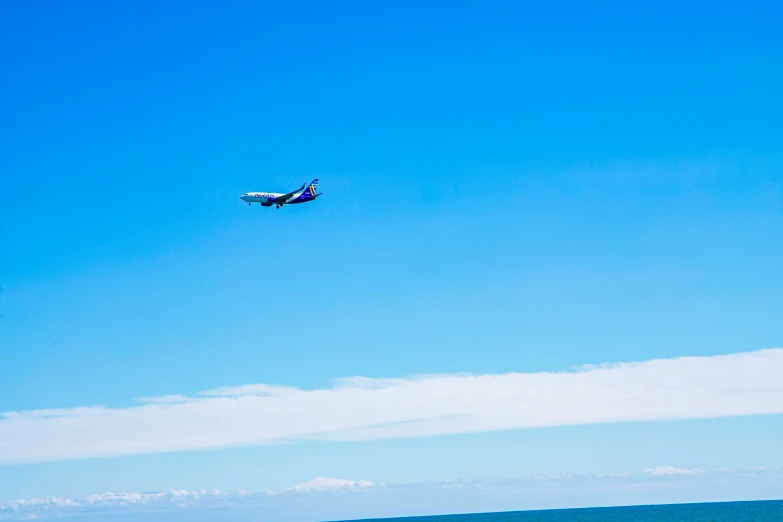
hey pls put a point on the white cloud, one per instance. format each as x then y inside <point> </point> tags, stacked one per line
<point>123,498</point>
<point>527,492</point>
<point>37,507</point>
<point>362,409</point>
<point>670,471</point>
<point>615,475</point>
<point>325,484</point>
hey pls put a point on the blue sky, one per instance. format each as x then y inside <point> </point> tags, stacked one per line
<point>508,188</point>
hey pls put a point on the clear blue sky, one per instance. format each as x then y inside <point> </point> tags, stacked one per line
<point>508,187</point>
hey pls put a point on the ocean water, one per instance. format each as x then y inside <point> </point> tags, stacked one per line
<point>765,511</point>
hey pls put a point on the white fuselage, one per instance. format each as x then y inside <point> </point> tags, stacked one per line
<point>265,198</point>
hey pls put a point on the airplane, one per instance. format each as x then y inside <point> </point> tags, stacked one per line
<point>267,199</point>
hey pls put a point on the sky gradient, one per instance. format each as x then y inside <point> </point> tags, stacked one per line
<point>509,189</point>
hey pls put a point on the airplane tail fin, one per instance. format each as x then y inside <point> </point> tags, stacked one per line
<point>311,188</point>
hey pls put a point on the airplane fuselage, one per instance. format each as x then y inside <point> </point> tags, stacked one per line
<point>268,199</point>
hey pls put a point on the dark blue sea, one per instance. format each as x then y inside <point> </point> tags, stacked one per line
<point>765,511</point>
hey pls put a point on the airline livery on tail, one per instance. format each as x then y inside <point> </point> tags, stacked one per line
<point>267,199</point>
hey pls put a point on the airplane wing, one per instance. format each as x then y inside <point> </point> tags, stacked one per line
<point>282,199</point>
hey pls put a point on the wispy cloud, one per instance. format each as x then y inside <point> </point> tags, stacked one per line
<point>671,471</point>
<point>326,484</point>
<point>322,497</point>
<point>361,409</point>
